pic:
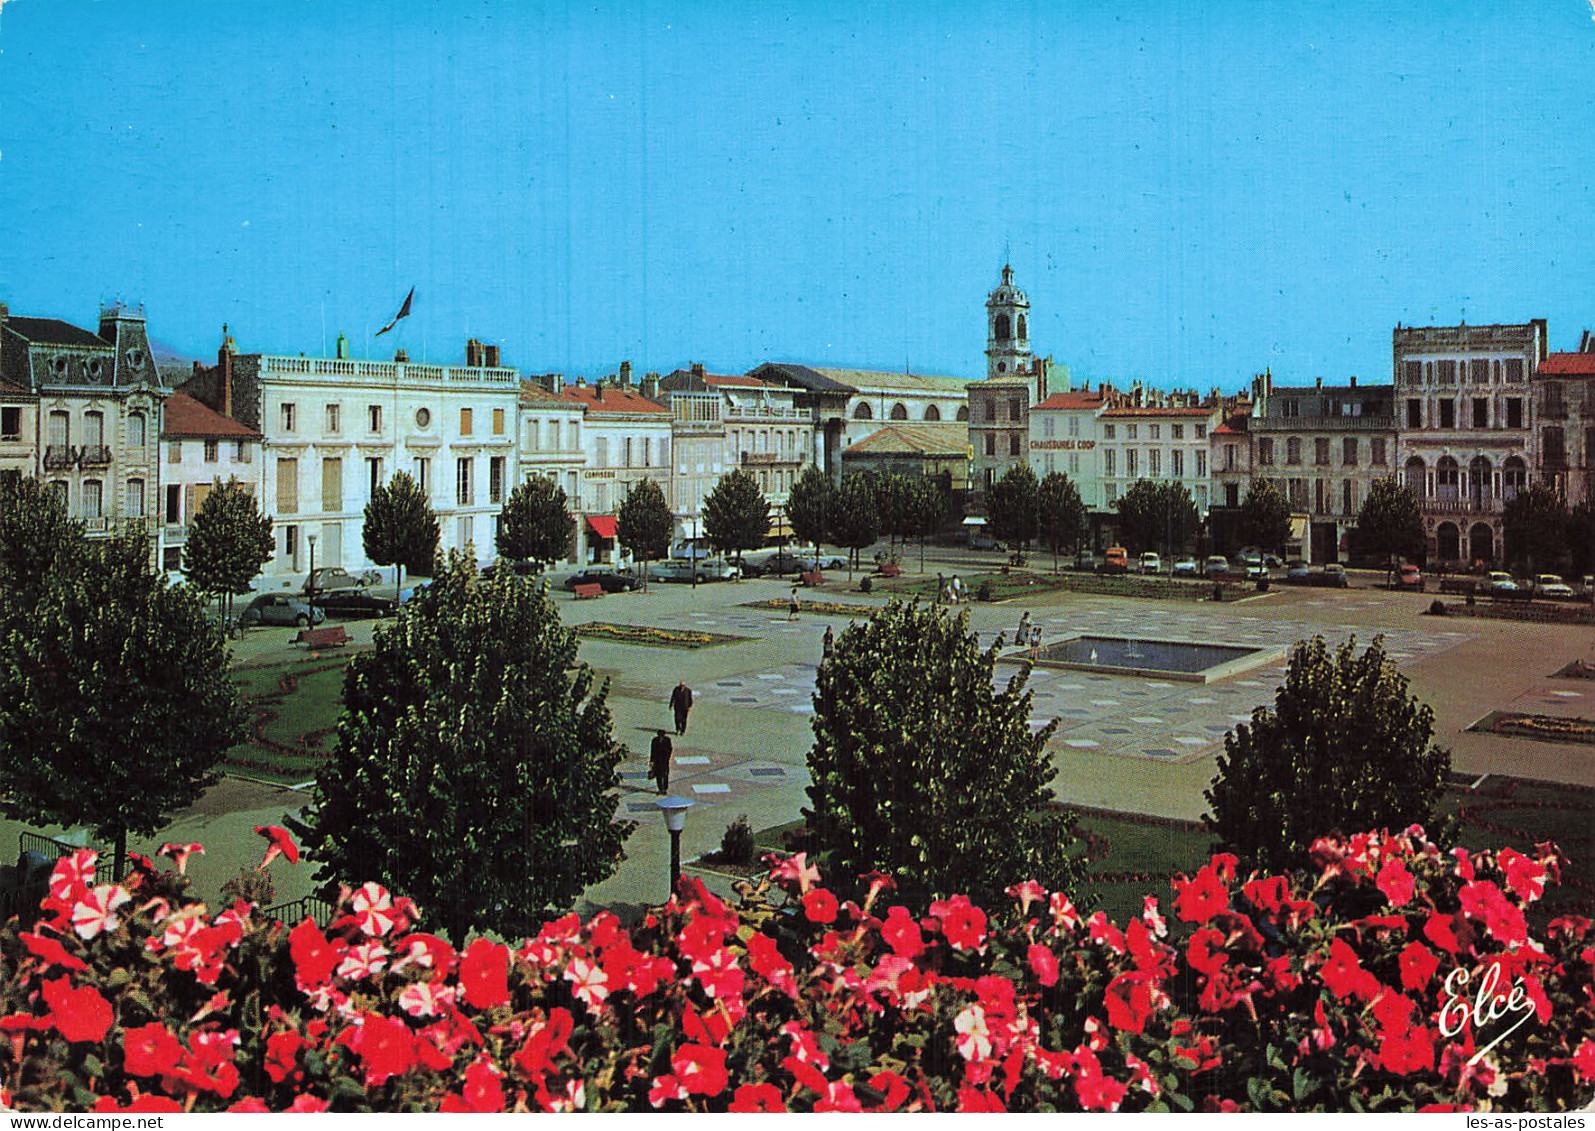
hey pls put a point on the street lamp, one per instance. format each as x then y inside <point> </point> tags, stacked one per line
<point>692,549</point>
<point>310,585</point>
<point>675,812</point>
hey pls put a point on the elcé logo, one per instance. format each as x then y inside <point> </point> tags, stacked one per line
<point>1489,1004</point>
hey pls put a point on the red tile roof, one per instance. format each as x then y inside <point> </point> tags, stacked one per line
<point>716,379</point>
<point>1131,410</point>
<point>613,400</point>
<point>1568,365</point>
<point>1071,400</point>
<point>187,417</point>
<point>1233,426</point>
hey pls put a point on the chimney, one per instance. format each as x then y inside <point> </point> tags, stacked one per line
<point>343,348</point>
<point>473,353</point>
<point>650,386</point>
<point>1353,380</point>
<point>698,384</point>
<point>581,382</point>
<point>625,374</point>
<point>490,356</point>
<point>1586,342</point>
<point>554,383</point>
<point>401,356</point>
<point>224,368</point>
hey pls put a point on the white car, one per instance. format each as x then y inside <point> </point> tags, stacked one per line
<point>1551,586</point>
<point>1151,563</point>
<point>1499,581</point>
<point>1186,567</point>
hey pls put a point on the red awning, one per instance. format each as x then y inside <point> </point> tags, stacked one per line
<point>602,525</point>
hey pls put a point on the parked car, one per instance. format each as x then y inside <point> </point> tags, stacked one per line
<point>1186,567</point>
<point>718,569</point>
<point>821,562</point>
<point>1215,565</point>
<point>675,569</point>
<point>689,548</point>
<point>1116,559</point>
<point>1298,572</point>
<point>1151,563</point>
<point>1086,560</point>
<point>780,562</point>
<point>1499,581</point>
<point>1335,576</point>
<point>752,568</point>
<point>612,580</point>
<point>1256,570</point>
<point>328,578</point>
<point>356,603</point>
<point>1271,562</point>
<point>1550,586</point>
<point>519,569</point>
<point>1409,577</point>
<point>980,540</point>
<point>281,609</point>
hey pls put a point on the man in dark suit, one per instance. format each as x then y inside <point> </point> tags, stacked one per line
<point>681,704</point>
<point>659,760</point>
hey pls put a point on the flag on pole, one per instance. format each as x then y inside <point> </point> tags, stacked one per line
<point>404,312</point>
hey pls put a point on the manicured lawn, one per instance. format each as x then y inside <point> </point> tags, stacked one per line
<point>293,717</point>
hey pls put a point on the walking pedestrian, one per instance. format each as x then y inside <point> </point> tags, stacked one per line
<point>829,643</point>
<point>659,760</point>
<point>793,606</point>
<point>681,704</point>
<point>1022,637</point>
<point>1035,644</point>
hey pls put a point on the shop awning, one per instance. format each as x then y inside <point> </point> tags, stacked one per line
<point>974,520</point>
<point>780,528</point>
<point>602,525</point>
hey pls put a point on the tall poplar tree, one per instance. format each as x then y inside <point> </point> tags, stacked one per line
<point>535,524</point>
<point>227,543</point>
<point>401,529</point>
<point>736,515</point>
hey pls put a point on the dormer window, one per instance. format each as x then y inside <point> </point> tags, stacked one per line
<point>135,358</point>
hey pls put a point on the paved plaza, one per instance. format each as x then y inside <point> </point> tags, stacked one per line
<point>1123,742</point>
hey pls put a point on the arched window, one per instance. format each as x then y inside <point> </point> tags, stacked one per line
<point>1414,480</point>
<point>899,411</point>
<point>1447,476</point>
<point>1002,333</point>
<point>963,413</point>
<point>1024,329</point>
<point>862,412</point>
<point>1479,471</point>
<point>1514,477</point>
<point>1448,542</point>
<point>932,412</point>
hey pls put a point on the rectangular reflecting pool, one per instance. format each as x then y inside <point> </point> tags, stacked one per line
<point>1175,659</point>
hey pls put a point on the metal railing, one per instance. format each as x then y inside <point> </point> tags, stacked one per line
<point>295,910</point>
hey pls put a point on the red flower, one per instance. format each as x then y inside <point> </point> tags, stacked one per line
<point>279,843</point>
<point>1129,1003</point>
<point>306,1104</point>
<point>902,934</point>
<point>79,1015</point>
<point>893,1089</point>
<point>250,1106</point>
<point>1525,876</point>
<point>1418,965</point>
<point>1344,975</point>
<point>701,1069</point>
<point>1205,951</point>
<point>1441,931</point>
<point>1412,1051</point>
<point>385,1046</point>
<point>180,854</point>
<point>484,974</point>
<point>1198,900</point>
<point>1043,964</point>
<point>1483,900</point>
<point>51,952</point>
<point>150,1050</point>
<point>546,1041</point>
<point>754,1098</point>
<point>1097,1090</point>
<point>314,957</point>
<point>820,906</point>
<point>482,1094</point>
<point>978,1100</point>
<point>1395,881</point>
<point>282,1056</point>
<point>1583,1061</point>
<point>138,1103</point>
<point>962,923</point>
<point>764,958</point>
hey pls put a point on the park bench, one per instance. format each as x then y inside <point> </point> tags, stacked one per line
<point>891,569</point>
<point>322,637</point>
<point>814,577</point>
<point>590,589</point>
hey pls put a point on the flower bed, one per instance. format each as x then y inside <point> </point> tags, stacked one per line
<point>653,637</point>
<point>1523,610</point>
<point>1578,669</point>
<point>1546,728</point>
<point>288,744</point>
<point>824,608</point>
<point>1350,987</point>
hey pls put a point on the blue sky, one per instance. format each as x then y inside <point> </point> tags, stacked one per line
<point>1188,192</point>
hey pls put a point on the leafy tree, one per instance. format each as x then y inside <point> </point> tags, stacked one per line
<point>1265,517</point>
<point>1581,537</point>
<point>1390,523</point>
<point>927,508</point>
<point>921,770</point>
<point>1012,506</point>
<point>736,515</point>
<point>401,528</point>
<point>476,768</point>
<point>115,699</point>
<point>535,523</point>
<point>893,491</point>
<point>1156,513</point>
<point>1534,527</point>
<point>228,542</point>
<point>854,520</point>
<point>1344,749</point>
<point>808,506</point>
<point>1060,514</point>
<point>37,538</point>
<point>644,522</point>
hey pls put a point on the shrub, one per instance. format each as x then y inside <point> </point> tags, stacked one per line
<point>736,844</point>
<point>865,584</point>
<point>1322,991</point>
<point>1437,608</point>
<point>984,591</point>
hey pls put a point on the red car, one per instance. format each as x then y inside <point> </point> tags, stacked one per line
<point>1410,578</point>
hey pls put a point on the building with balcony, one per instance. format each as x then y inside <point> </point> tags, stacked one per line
<point>1323,446</point>
<point>551,444</point>
<point>1465,428</point>
<point>334,429</point>
<point>1563,407</point>
<point>1065,438</point>
<point>200,448</point>
<point>1148,434</point>
<point>96,402</point>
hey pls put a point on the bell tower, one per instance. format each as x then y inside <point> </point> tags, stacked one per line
<point>1007,328</point>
